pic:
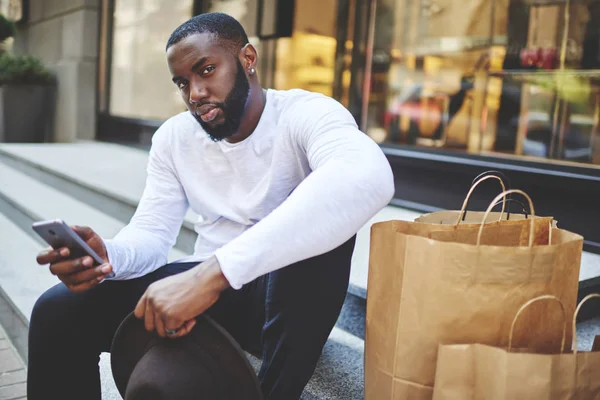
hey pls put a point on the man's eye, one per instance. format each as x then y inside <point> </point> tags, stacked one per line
<point>181,84</point>
<point>208,70</point>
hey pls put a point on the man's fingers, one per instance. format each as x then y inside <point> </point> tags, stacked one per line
<point>160,326</point>
<point>71,266</point>
<point>168,324</point>
<point>49,255</point>
<point>46,256</point>
<point>149,320</point>
<point>140,308</point>
<point>175,325</point>
<point>85,232</point>
<point>83,286</point>
<point>185,329</point>
<point>97,273</point>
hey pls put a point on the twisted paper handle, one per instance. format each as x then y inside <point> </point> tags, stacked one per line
<point>530,302</point>
<point>503,195</point>
<point>468,197</point>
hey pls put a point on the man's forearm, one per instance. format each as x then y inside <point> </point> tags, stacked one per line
<point>209,272</point>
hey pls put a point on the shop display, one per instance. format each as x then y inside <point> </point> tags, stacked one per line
<point>503,78</point>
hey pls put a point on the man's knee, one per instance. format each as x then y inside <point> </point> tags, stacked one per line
<point>51,306</point>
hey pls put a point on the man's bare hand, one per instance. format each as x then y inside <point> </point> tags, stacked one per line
<point>78,274</point>
<point>173,303</point>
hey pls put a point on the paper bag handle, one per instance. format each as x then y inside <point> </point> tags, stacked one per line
<point>499,174</point>
<point>530,302</point>
<point>463,209</point>
<point>493,203</point>
<point>519,203</point>
<point>585,299</point>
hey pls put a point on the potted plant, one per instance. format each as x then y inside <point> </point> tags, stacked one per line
<point>26,99</point>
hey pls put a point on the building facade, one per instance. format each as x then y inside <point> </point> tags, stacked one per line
<point>449,88</point>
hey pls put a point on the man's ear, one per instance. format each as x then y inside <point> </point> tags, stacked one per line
<point>249,58</point>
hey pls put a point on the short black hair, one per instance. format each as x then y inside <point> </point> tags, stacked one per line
<point>223,26</point>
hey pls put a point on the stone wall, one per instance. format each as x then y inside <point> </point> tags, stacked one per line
<point>64,34</point>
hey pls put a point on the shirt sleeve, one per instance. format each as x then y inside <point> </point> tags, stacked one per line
<point>351,180</point>
<point>143,245</point>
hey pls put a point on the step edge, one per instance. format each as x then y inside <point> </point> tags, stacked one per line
<point>47,170</point>
<point>113,196</point>
<point>34,215</point>
<point>15,324</point>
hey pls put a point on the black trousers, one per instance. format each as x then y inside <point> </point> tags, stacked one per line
<point>285,316</point>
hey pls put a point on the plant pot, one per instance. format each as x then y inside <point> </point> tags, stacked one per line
<point>26,113</point>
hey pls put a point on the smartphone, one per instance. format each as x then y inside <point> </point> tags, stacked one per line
<point>58,234</point>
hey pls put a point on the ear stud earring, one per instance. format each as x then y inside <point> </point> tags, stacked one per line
<point>252,71</point>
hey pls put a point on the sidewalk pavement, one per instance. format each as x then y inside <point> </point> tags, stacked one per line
<point>13,376</point>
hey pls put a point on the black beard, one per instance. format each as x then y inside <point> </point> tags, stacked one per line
<point>233,109</point>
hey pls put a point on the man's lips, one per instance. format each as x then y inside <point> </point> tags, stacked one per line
<point>207,112</point>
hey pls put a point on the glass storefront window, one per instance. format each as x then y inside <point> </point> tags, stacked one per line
<point>245,11</point>
<point>140,82</point>
<point>307,59</point>
<point>12,9</point>
<point>502,78</point>
<point>317,56</point>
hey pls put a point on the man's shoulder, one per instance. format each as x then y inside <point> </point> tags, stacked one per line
<point>298,107</point>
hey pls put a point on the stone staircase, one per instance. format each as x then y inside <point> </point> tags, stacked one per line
<point>99,185</point>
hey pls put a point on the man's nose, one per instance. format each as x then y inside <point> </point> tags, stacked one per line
<point>198,93</point>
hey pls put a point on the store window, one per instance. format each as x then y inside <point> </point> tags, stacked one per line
<point>140,82</point>
<point>12,9</point>
<point>316,54</point>
<point>306,59</point>
<point>244,11</point>
<point>501,78</point>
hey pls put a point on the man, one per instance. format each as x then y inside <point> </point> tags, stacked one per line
<point>281,180</point>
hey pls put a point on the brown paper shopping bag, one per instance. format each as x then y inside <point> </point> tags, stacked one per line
<point>424,289</point>
<point>465,216</point>
<point>480,372</point>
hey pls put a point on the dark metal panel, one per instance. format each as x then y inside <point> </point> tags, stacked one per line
<point>284,19</point>
<point>198,7</point>
<point>359,51</point>
<point>126,130</point>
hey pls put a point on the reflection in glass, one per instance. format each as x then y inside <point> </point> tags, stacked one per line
<point>244,11</point>
<point>140,84</point>
<point>307,59</point>
<point>12,9</point>
<point>503,78</point>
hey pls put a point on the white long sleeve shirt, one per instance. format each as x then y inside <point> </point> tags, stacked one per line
<point>303,183</point>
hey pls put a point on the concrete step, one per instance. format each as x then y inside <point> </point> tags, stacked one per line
<point>115,187</point>
<point>22,281</point>
<point>339,374</point>
<point>24,200</point>
<point>13,376</point>
<point>111,178</point>
<point>31,200</point>
<point>76,182</point>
